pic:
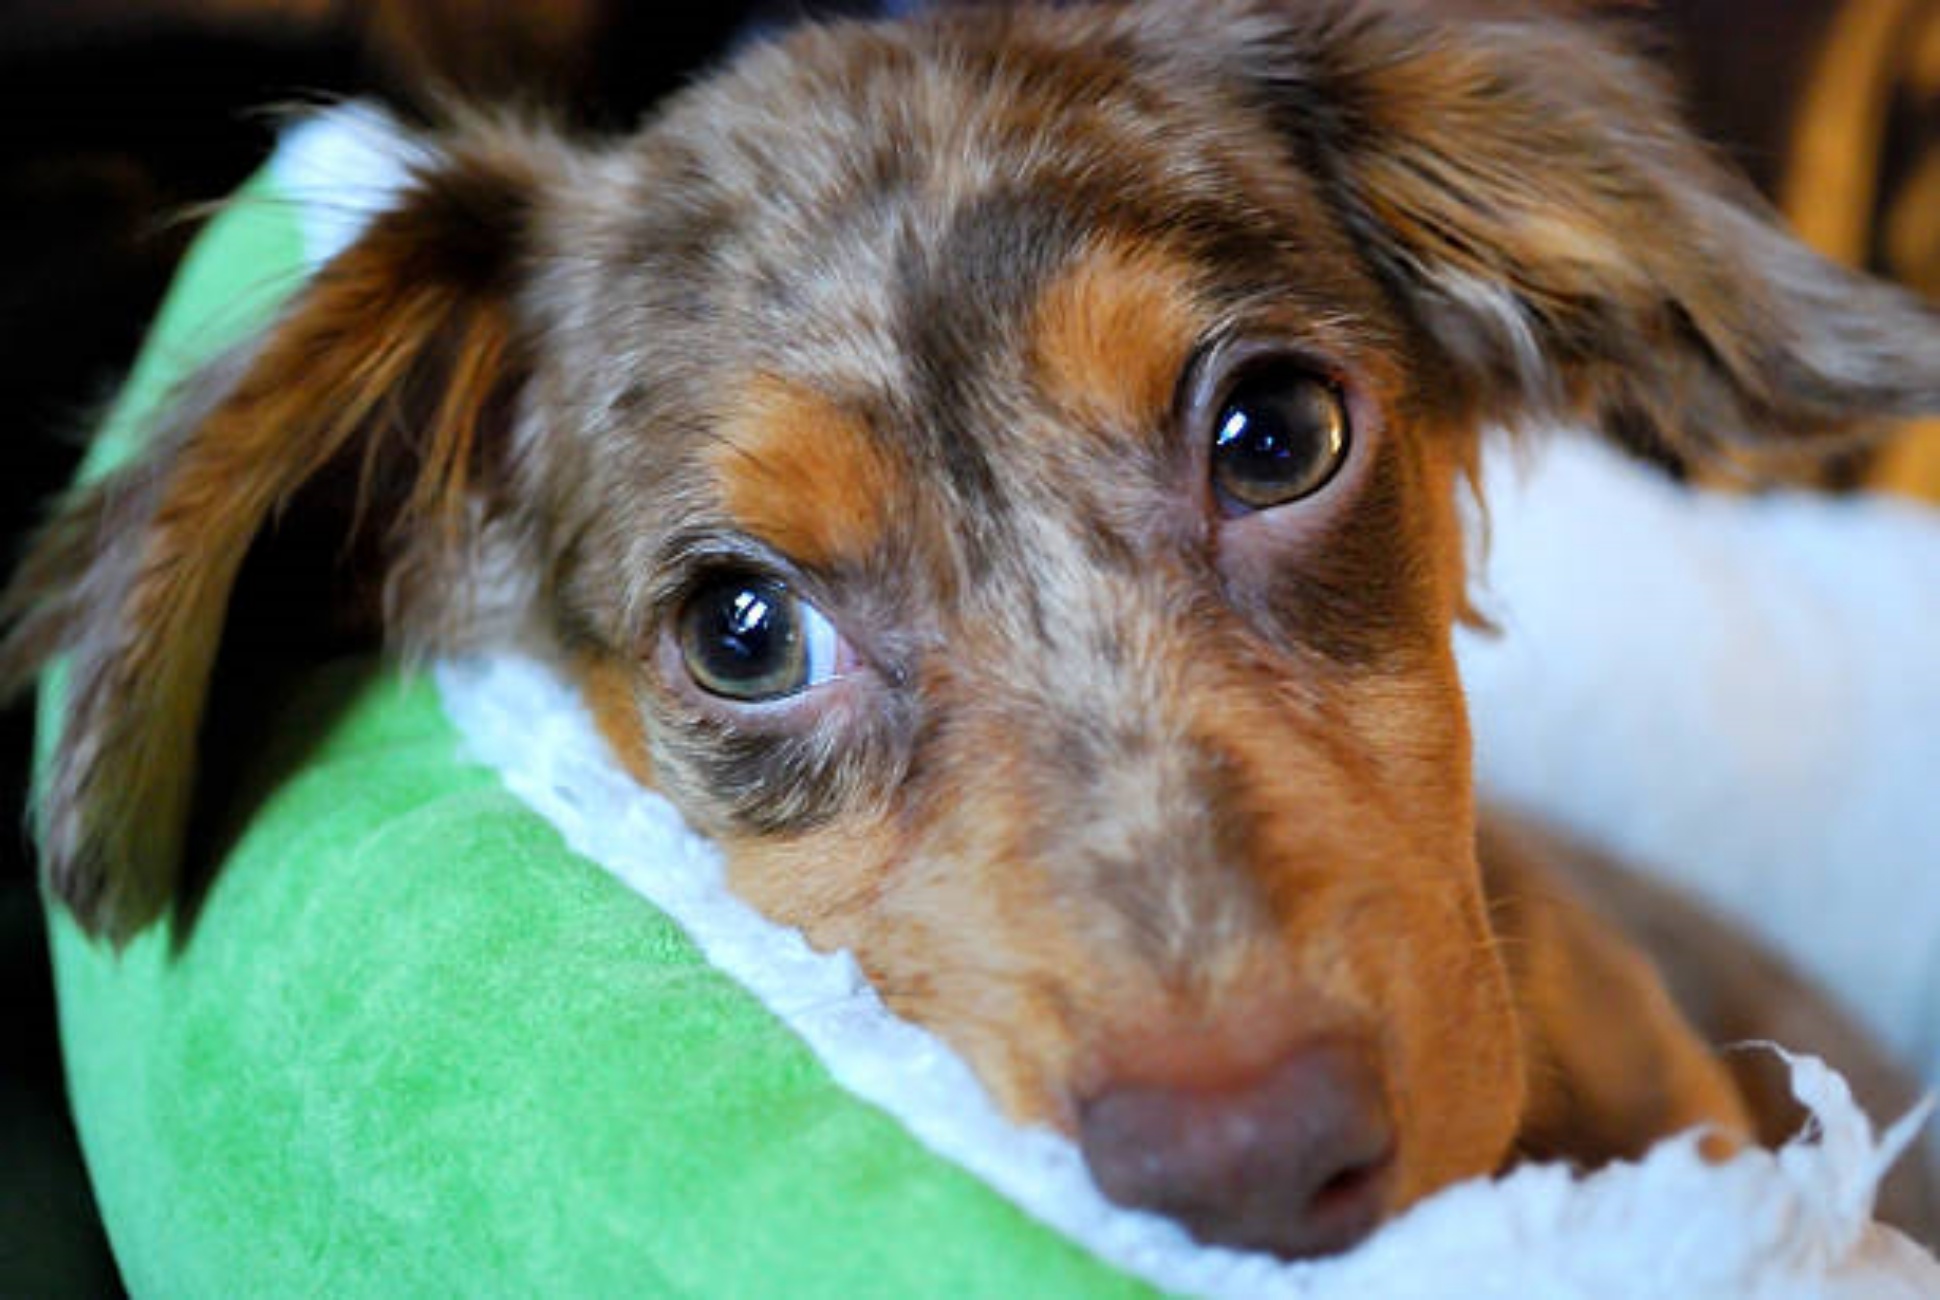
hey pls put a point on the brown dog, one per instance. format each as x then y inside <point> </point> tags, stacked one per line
<point>999,475</point>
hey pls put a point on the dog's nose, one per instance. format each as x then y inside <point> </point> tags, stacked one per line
<point>1294,1159</point>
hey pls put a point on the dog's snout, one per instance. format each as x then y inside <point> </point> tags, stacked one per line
<point>1293,1159</point>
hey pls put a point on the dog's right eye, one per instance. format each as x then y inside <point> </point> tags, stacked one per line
<point>1281,435</point>
<point>750,639</point>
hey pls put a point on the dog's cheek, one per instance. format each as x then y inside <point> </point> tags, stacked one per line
<point>827,883</point>
<point>1400,945</point>
<point>919,921</point>
<point>1396,929</point>
<point>1456,1056</point>
<point>1458,1071</point>
<point>610,688</point>
<point>1410,728</point>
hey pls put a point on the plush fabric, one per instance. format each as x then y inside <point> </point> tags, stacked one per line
<point>1765,1225</point>
<point>1742,695</point>
<point>411,1042</point>
<point>412,1045</point>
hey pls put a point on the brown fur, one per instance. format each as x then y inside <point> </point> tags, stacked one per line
<point>1111,337</point>
<point>1120,789</point>
<point>785,437</point>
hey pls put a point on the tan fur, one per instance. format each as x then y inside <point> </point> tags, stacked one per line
<point>1112,336</point>
<point>1602,1083</point>
<point>610,689</point>
<point>1119,789</point>
<point>785,440</point>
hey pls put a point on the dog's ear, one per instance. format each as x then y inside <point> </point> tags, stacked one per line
<point>1526,189</point>
<point>393,370</point>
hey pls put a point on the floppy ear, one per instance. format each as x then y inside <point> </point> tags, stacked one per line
<point>1524,186</point>
<point>393,369</point>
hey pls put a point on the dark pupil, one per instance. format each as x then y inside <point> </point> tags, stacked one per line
<point>1280,437</point>
<point>741,638</point>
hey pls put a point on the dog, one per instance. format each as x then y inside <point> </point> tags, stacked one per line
<point>1000,473</point>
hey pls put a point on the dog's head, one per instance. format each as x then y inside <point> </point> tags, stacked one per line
<point>1000,476</point>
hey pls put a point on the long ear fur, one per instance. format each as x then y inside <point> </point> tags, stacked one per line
<point>1524,185</point>
<point>396,365</point>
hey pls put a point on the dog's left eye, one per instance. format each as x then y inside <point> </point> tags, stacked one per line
<point>749,638</point>
<point>1280,435</point>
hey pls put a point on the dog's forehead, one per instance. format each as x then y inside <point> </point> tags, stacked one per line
<point>954,264</point>
<point>866,194</point>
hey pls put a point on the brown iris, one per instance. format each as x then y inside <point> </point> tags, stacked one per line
<point>742,638</point>
<point>1280,435</point>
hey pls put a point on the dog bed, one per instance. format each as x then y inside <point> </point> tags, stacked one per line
<point>465,1010</point>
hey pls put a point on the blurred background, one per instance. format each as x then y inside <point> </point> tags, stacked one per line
<point>119,117</point>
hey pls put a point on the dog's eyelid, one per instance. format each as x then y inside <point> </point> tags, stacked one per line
<point>1223,358</point>
<point>690,558</point>
<point>689,550</point>
<point>1196,381</point>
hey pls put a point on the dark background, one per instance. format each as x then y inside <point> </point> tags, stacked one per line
<point>118,116</point>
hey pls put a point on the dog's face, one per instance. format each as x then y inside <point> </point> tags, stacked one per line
<point>1054,604</point>
<point>1000,477</point>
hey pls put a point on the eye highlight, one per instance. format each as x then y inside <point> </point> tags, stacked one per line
<point>1281,434</point>
<point>746,637</point>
